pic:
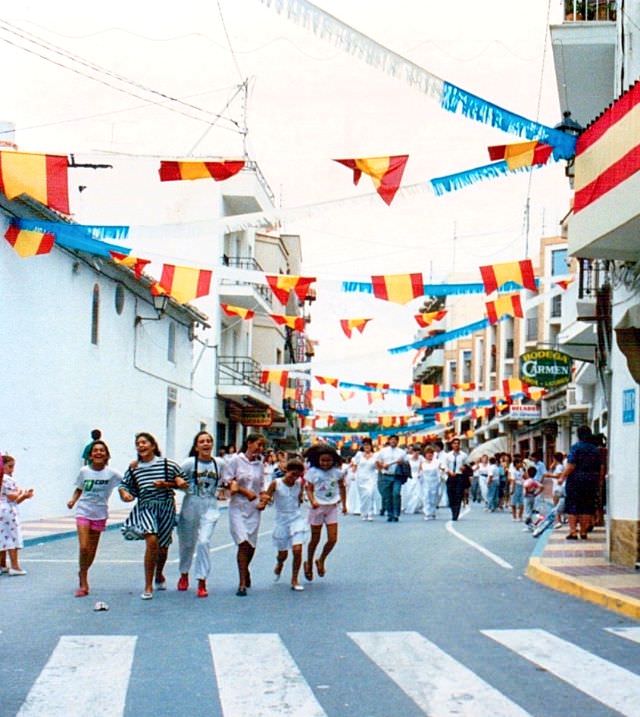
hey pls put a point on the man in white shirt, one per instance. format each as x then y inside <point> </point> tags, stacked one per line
<point>456,481</point>
<point>389,487</point>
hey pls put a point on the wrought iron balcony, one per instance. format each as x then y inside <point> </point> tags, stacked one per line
<point>240,371</point>
<point>249,263</point>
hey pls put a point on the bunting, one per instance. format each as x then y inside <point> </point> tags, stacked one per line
<point>514,386</point>
<point>295,323</point>
<point>81,237</point>
<point>564,284</point>
<point>244,314</point>
<point>520,272</point>
<point>346,395</point>
<point>375,396</point>
<point>386,172</point>
<point>392,421</point>
<point>325,380</point>
<point>444,417</point>
<point>282,285</point>
<point>426,392</point>
<point>29,243</point>
<point>184,283</point>
<point>399,288</point>
<point>136,264</point>
<point>427,318</point>
<point>42,176</point>
<point>353,423</point>
<point>186,169</point>
<point>278,377</point>
<point>508,305</point>
<point>349,325</point>
<point>377,386</point>
<point>521,154</point>
<point>469,386</point>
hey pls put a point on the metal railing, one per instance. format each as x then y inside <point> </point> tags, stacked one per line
<point>253,166</point>
<point>247,262</point>
<point>240,371</point>
<point>589,10</point>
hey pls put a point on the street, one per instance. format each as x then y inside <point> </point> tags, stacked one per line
<point>410,619</point>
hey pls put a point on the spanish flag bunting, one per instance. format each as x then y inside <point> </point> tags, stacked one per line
<point>353,423</point>
<point>426,391</point>
<point>282,285</point>
<point>429,317</point>
<point>520,272</point>
<point>295,323</point>
<point>184,283</point>
<point>386,172</point>
<point>469,386</point>
<point>535,393</point>
<point>505,305</point>
<point>279,377</point>
<point>325,380</point>
<point>377,386</point>
<point>347,395</point>
<point>392,421</point>
<point>458,398</point>
<point>565,283</point>
<point>398,288</point>
<point>42,176</point>
<point>478,413</point>
<point>521,154</point>
<point>444,417</point>
<point>512,386</point>
<point>348,325</point>
<point>135,263</point>
<point>290,393</point>
<point>374,396</point>
<point>245,314</point>
<point>315,395</point>
<point>29,243</point>
<point>188,169</point>
<point>414,401</point>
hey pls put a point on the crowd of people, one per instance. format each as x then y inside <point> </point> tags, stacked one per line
<point>306,491</point>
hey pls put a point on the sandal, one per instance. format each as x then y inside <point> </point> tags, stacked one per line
<point>81,592</point>
<point>307,570</point>
<point>320,568</point>
<point>146,596</point>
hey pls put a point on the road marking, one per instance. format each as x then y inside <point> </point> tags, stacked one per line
<point>437,683</point>
<point>257,676</point>
<point>630,633</point>
<point>85,675</point>
<point>476,546</point>
<point>605,682</point>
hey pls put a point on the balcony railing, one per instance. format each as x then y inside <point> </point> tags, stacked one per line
<point>589,10</point>
<point>240,371</point>
<point>247,262</point>
<point>253,166</point>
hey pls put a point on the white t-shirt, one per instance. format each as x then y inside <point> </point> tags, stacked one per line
<point>205,483</point>
<point>326,484</point>
<point>96,489</point>
<point>389,455</point>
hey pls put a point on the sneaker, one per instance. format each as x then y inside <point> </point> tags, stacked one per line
<point>146,596</point>
<point>16,571</point>
<point>202,591</point>
<point>183,583</point>
<point>557,525</point>
<point>161,586</point>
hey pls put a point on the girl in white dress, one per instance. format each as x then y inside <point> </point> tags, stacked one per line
<point>10,535</point>
<point>430,483</point>
<point>291,528</point>
<point>411,490</point>
<point>363,465</point>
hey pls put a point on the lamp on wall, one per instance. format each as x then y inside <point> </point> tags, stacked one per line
<point>160,302</point>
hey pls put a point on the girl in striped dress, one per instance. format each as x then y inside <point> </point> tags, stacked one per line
<point>151,479</point>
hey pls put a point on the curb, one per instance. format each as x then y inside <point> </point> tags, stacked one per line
<point>51,537</point>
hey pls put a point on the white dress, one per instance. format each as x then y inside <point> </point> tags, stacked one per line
<point>430,483</point>
<point>411,490</point>
<point>10,533</point>
<point>244,516</point>
<point>291,526</point>
<point>353,494</point>
<point>366,479</point>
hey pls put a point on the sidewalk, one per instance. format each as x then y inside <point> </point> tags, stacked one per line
<point>47,529</point>
<point>580,568</point>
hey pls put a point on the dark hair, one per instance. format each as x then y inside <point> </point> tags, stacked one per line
<point>149,437</point>
<point>531,471</point>
<point>194,451</point>
<point>314,456</point>
<point>492,460</point>
<point>99,443</point>
<point>584,433</point>
<point>251,438</point>
<point>6,458</point>
<point>366,440</point>
<point>295,464</point>
<point>394,435</point>
<point>96,433</point>
<point>558,456</point>
<point>439,444</point>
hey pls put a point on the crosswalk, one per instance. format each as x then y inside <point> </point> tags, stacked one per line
<point>257,676</point>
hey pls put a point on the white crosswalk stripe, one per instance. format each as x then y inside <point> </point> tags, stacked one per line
<point>602,680</point>
<point>85,675</point>
<point>257,676</point>
<point>630,633</point>
<point>436,682</point>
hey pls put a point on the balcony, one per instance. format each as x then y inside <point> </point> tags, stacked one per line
<point>239,293</point>
<point>584,57</point>
<point>239,379</point>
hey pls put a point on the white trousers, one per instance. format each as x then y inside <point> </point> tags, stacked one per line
<point>196,524</point>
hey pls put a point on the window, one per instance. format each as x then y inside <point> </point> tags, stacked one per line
<point>171,343</point>
<point>170,420</point>
<point>119,299</point>
<point>453,372</point>
<point>95,314</point>
<point>559,262</point>
<point>466,367</point>
<point>508,348</point>
<point>532,329</point>
<point>556,307</point>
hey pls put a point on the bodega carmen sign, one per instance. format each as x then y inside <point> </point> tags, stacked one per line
<point>545,368</point>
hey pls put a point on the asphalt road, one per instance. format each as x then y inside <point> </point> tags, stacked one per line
<point>412,618</point>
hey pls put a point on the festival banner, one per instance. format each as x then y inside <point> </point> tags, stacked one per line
<point>427,318</point>
<point>282,285</point>
<point>42,176</point>
<point>349,325</point>
<point>240,311</point>
<point>29,243</point>
<point>398,288</point>
<point>135,263</point>
<point>521,154</point>
<point>519,272</point>
<point>171,171</point>
<point>386,172</point>
<point>184,283</point>
<point>295,323</point>
<point>508,305</point>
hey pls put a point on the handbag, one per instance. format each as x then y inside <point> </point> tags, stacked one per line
<point>402,472</point>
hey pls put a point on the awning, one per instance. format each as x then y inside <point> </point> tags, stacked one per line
<point>500,444</point>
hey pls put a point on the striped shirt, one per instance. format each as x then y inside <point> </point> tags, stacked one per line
<point>139,482</point>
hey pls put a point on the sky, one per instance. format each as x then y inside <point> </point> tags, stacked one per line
<point>308,103</point>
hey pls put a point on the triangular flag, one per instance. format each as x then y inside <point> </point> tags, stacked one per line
<point>519,272</point>
<point>386,172</point>
<point>521,154</point>
<point>134,263</point>
<point>245,314</point>
<point>326,380</point>
<point>295,323</point>
<point>185,283</point>
<point>399,288</point>
<point>29,243</point>
<point>279,377</point>
<point>42,176</point>
<point>426,392</point>
<point>505,305</point>
<point>188,169</point>
<point>347,395</point>
<point>281,285</point>
<point>429,317</point>
<point>349,325</point>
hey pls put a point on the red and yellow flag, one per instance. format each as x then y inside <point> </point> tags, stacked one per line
<point>42,176</point>
<point>426,391</point>
<point>444,417</point>
<point>469,386</point>
<point>521,154</point>
<point>184,283</point>
<point>565,283</point>
<point>279,377</point>
<point>429,317</point>
<point>295,323</point>
<point>188,169</point>
<point>281,285</point>
<point>505,305</point>
<point>326,380</point>
<point>377,386</point>
<point>134,263</point>
<point>520,272</point>
<point>349,325</point>
<point>353,423</point>
<point>399,288</point>
<point>478,413</point>
<point>290,392</point>
<point>512,386</point>
<point>373,396</point>
<point>315,394</point>
<point>29,243</point>
<point>347,395</point>
<point>230,310</point>
<point>386,172</point>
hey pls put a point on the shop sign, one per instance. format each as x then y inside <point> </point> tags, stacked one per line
<point>257,417</point>
<point>629,405</point>
<point>524,412</point>
<point>545,368</point>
